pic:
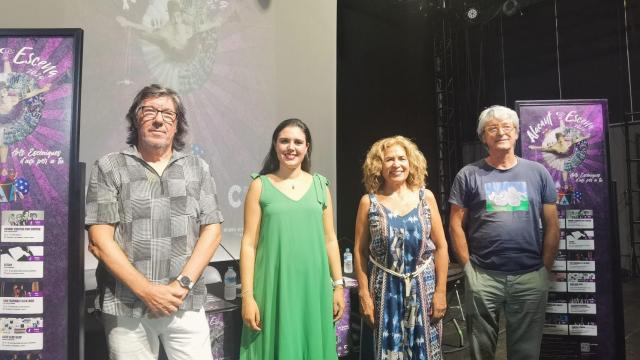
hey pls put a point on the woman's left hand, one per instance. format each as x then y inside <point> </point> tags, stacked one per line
<point>439,306</point>
<point>338,303</point>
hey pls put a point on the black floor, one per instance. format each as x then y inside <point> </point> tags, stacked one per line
<point>631,296</point>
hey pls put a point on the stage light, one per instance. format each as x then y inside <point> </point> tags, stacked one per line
<point>479,11</point>
<point>510,7</point>
<point>472,13</point>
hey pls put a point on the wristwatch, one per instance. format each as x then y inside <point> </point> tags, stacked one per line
<point>185,282</point>
<point>336,283</point>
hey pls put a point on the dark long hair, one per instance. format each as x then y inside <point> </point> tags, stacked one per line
<point>155,91</point>
<point>271,163</point>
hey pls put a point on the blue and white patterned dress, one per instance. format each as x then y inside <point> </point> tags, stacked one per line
<point>403,244</point>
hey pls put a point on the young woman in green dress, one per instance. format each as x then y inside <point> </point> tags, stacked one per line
<point>292,286</point>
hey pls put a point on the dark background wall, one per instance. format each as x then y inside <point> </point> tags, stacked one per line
<point>386,84</point>
<point>516,58</point>
<point>385,88</point>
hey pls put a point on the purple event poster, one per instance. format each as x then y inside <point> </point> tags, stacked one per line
<point>39,85</point>
<point>568,137</point>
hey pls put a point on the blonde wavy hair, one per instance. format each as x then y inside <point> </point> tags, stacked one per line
<point>372,167</point>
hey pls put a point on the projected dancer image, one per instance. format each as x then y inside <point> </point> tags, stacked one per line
<point>179,40</point>
<point>289,256</point>
<point>401,254</point>
<point>564,149</point>
<point>15,88</point>
<point>175,36</point>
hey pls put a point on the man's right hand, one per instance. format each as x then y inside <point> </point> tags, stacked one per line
<point>162,300</point>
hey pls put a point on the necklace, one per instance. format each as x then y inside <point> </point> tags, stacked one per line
<point>293,182</point>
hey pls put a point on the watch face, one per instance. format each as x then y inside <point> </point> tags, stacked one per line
<point>185,281</point>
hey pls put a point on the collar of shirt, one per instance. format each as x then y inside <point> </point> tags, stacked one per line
<point>133,151</point>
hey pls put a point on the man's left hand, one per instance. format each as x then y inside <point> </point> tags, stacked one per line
<point>161,300</point>
<point>176,285</point>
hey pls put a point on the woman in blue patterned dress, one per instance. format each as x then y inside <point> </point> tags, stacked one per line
<point>401,254</point>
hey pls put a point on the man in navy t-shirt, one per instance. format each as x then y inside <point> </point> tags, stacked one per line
<point>504,229</point>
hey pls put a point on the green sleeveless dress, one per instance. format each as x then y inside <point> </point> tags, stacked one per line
<point>292,283</point>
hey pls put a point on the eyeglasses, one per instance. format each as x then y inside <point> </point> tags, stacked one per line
<point>148,113</point>
<point>493,129</point>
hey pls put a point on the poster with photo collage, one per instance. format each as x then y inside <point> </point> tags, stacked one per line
<point>38,97</point>
<point>569,139</point>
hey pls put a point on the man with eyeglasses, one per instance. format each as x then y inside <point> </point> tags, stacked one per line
<point>498,206</point>
<point>154,224</point>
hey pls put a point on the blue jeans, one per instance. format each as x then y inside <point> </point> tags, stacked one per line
<point>522,298</point>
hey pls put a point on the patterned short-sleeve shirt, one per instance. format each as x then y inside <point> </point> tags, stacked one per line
<point>157,220</point>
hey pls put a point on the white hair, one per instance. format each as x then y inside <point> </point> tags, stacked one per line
<point>497,112</point>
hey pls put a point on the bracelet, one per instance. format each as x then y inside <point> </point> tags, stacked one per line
<point>336,283</point>
<point>248,291</point>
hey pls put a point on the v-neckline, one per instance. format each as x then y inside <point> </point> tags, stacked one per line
<point>396,214</point>
<point>287,196</point>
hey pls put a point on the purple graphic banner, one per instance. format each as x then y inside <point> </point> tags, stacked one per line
<point>568,137</point>
<point>38,154</point>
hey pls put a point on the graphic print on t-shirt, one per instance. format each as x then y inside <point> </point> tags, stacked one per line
<point>506,196</point>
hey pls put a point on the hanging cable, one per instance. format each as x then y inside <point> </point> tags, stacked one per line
<point>504,73</point>
<point>555,13</point>
<point>626,39</point>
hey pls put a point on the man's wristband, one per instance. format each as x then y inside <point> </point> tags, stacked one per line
<point>336,283</point>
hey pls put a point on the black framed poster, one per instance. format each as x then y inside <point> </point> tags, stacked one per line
<point>40,291</point>
<point>583,313</point>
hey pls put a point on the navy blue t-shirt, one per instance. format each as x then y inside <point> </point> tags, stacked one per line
<point>504,209</point>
